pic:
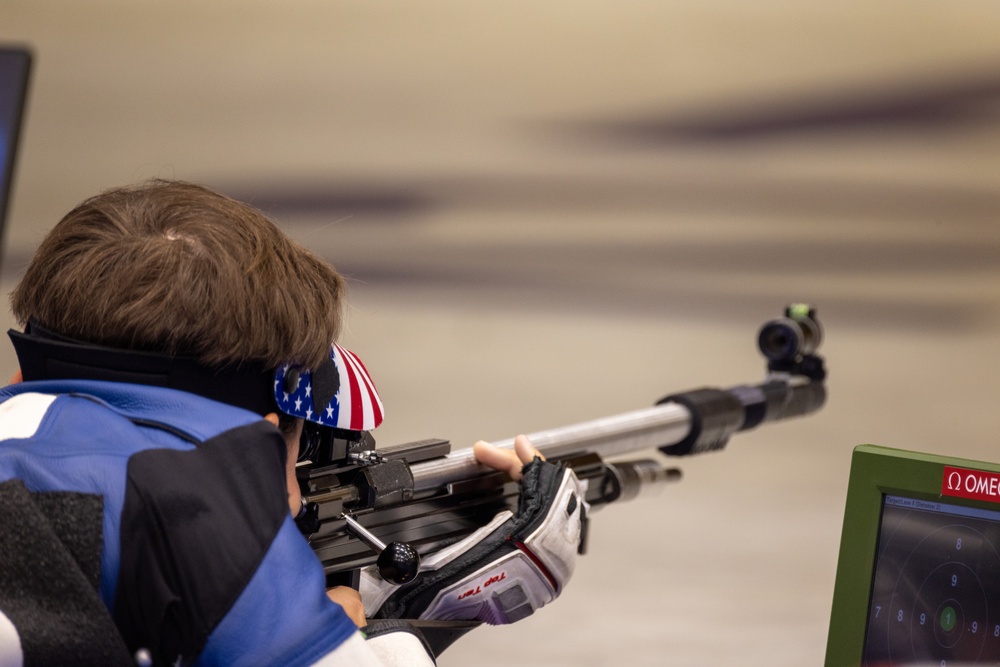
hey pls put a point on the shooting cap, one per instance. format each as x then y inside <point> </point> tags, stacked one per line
<point>339,393</point>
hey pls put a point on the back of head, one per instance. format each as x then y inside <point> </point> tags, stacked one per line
<point>177,269</point>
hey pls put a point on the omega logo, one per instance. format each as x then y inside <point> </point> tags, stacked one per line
<point>976,484</point>
<point>954,481</point>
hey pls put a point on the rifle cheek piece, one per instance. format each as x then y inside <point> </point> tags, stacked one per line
<point>384,484</point>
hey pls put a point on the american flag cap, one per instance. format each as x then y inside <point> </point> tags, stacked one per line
<point>339,393</point>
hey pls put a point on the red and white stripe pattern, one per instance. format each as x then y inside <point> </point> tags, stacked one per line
<point>360,408</point>
<point>355,407</point>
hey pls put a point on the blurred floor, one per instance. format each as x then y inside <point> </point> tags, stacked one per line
<point>555,213</point>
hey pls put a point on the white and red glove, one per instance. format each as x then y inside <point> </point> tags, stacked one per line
<point>504,571</point>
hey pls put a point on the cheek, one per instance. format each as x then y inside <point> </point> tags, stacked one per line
<point>292,439</point>
<point>292,449</point>
<point>294,494</point>
<point>292,452</point>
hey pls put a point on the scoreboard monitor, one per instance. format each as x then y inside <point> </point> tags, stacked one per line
<point>918,576</point>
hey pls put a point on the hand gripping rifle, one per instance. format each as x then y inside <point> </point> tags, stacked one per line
<point>420,496</point>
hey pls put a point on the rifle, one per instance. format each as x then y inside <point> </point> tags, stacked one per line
<point>421,496</point>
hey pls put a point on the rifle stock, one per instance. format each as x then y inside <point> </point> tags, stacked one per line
<point>423,494</point>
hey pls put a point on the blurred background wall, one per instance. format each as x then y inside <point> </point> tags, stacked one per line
<point>556,211</point>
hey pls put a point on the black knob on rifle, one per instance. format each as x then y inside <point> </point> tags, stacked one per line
<point>397,563</point>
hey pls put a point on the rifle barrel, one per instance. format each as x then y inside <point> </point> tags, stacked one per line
<point>624,433</point>
<point>689,423</point>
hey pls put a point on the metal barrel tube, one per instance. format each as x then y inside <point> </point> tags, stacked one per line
<point>625,433</point>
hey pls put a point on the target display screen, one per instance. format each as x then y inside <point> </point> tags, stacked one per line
<point>935,597</point>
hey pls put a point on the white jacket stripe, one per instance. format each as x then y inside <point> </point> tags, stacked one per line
<point>21,415</point>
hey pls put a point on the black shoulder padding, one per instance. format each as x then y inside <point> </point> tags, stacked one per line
<point>50,559</point>
<point>195,526</point>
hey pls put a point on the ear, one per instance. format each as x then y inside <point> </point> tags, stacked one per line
<point>18,379</point>
<point>271,416</point>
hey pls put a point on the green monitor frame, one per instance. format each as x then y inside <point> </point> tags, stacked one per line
<point>878,472</point>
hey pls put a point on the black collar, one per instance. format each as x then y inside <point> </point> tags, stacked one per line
<point>44,355</point>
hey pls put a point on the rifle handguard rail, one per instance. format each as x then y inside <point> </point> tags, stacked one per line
<point>646,428</point>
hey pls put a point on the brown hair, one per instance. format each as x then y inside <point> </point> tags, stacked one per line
<point>175,268</point>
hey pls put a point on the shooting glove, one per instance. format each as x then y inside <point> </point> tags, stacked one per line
<point>504,571</point>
